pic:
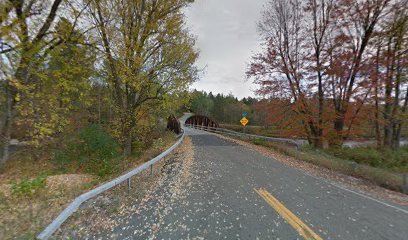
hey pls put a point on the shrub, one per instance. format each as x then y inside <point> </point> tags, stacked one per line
<point>92,150</point>
<point>396,159</point>
<point>28,187</point>
<point>138,148</point>
<point>257,141</point>
<point>364,155</point>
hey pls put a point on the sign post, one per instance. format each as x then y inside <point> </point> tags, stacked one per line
<point>244,121</point>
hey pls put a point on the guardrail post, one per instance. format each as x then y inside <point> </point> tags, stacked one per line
<point>151,169</point>
<point>405,183</point>
<point>128,185</point>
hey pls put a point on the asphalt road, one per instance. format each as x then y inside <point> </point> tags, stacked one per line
<point>232,192</point>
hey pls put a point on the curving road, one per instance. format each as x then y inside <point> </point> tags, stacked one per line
<point>232,192</point>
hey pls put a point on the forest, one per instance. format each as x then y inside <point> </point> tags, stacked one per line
<point>66,66</point>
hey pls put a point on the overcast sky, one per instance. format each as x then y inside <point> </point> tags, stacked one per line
<point>227,38</point>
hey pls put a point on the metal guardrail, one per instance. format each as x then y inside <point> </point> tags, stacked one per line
<point>68,211</point>
<point>250,136</point>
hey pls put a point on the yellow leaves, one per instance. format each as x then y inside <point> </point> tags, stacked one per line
<point>47,101</point>
<point>16,84</point>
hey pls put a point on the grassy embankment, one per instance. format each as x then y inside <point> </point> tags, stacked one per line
<point>384,167</point>
<point>33,189</point>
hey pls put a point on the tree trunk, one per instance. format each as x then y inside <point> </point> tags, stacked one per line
<point>339,126</point>
<point>128,124</point>
<point>308,135</point>
<point>387,125</point>
<point>320,120</point>
<point>396,141</point>
<point>399,127</point>
<point>388,98</point>
<point>127,148</point>
<point>339,123</point>
<point>396,137</point>
<point>377,105</point>
<point>319,130</point>
<point>10,93</point>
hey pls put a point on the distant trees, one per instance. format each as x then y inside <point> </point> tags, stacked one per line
<point>201,103</point>
<point>222,108</point>
<point>321,56</point>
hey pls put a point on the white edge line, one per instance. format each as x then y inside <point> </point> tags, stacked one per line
<point>358,193</point>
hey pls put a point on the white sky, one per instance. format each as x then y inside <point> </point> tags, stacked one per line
<point>227,39</point>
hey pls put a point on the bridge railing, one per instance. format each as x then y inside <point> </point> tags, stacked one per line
<point>245,135</point>
<point>76,203</point>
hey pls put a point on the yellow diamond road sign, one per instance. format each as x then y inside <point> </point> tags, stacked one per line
<point>244,121</point>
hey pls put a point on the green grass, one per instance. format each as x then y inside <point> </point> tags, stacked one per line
<point>261,142</point>
<point>27,187</point>
<point>393,160</point>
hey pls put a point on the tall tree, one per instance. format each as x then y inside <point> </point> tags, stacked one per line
<point>25,40</point>
<point>318,50</point>
<point>281,68</point>
<point>391,64</point>
<point>356,22</point>
<point>321,12</point>
<point>148,52</point>
<point>59,88</point>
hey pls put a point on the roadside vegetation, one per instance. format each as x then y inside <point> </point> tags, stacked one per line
<point>34,191</point>
<point>393,160</point>
<point>386,158</point>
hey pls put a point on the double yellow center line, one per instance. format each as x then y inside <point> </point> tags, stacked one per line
<point>294,221</point>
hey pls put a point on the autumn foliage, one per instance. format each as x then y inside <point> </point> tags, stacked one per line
<point>333,68</point>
